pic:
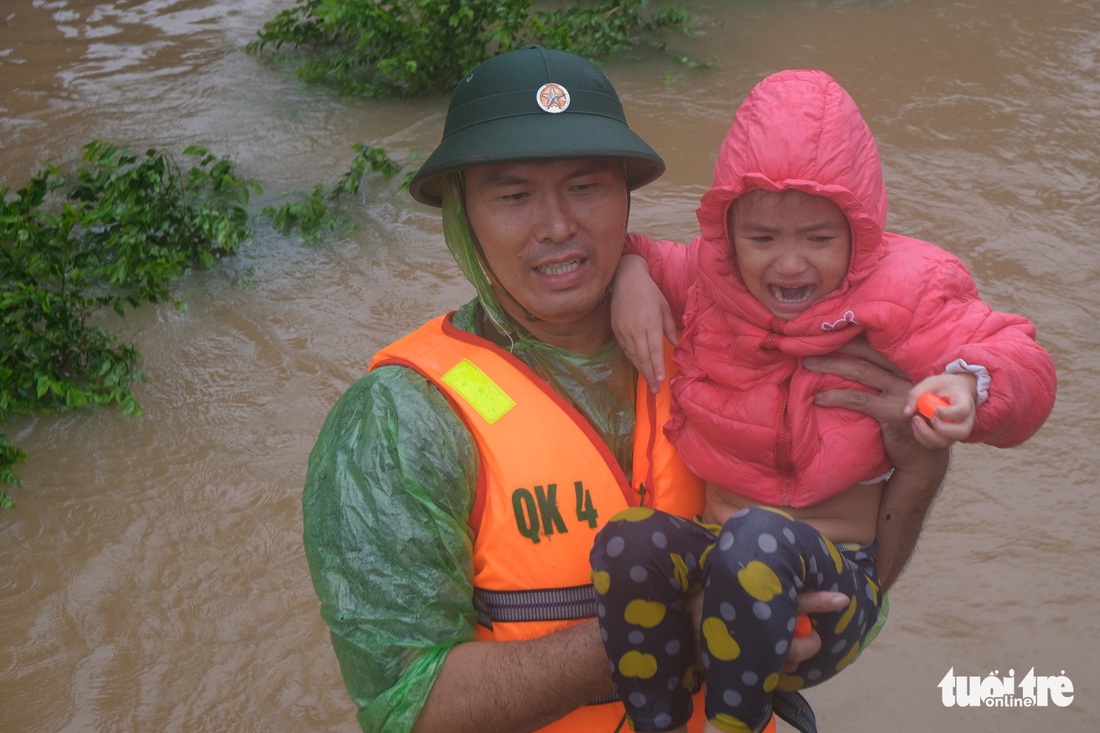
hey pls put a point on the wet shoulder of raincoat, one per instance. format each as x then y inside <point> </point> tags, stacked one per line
<point>386,502</point>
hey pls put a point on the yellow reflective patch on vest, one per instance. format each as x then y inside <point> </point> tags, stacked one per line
<point>475,386</point>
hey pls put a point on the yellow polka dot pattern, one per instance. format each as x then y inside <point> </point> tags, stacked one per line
<point>602,580</point>
<point>729,724</point>
<point>636,664</point>
<point>759,581</point>
<point>646,614</point>
<point>846,617</point>
<point>874,590</point>
<point>835,554</point>
<point>849,657</point>
<point>762,599</point>
<point>790,682</point>
<point>680,569</point>
<point>633,514</point>
<point>688,680</point>
<point>721,644</point>
<point>704,556</point>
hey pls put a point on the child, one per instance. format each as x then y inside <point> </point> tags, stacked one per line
<point>792,261</point>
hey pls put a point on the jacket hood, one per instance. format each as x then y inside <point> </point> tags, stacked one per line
<point>796,130</point>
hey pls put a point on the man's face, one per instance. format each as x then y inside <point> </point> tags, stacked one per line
<point>552,233</point>
<point>792,248</point>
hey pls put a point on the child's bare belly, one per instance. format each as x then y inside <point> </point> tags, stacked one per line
<point>850,516</point>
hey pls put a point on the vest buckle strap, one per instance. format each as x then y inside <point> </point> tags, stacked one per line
<point>545,604</point>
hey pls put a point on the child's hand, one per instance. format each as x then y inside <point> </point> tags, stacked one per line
<point>950,422</point>
<point>641,319</point>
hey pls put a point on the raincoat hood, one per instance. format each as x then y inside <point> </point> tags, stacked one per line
<point>797,130</point>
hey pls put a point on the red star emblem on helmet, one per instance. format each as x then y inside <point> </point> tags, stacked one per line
<point>552,98</point>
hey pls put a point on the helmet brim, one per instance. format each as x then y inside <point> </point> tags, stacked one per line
<point>538,136</point>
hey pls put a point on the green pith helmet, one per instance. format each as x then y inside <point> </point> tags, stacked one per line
<point>534,104</point>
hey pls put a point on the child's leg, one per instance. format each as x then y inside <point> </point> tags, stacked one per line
<point>643,563</point>
<point>763,558</point>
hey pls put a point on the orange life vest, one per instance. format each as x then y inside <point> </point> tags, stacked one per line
<point>546,484</point>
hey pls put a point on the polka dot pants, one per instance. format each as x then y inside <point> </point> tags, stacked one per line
<point>645,562</point>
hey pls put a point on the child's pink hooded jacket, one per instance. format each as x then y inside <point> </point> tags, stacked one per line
<point>744,416</point>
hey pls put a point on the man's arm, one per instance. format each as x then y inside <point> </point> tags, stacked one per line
<point>385,509</point>
<point>918,471</point>
<point>906,500</point>
<point>517,685</point>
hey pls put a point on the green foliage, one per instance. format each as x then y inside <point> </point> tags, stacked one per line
<point>416,47</point>
<point>316,213</point>
<point>108,235</point>
<point>607,28</point>
<point>119,228</point>
<point>9,456</point>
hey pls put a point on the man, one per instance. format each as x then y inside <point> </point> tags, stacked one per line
<point>454,491</point>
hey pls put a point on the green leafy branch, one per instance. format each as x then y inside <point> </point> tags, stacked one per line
<point>112,233</point>
<point>317,213</point>
<point>418,47</point>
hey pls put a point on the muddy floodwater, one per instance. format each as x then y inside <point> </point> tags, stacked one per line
<point>152,576</point>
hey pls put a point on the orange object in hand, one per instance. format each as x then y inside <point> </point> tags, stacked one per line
<point>927,404</point>
<point>802,626</point>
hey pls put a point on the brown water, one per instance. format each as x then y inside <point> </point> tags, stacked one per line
<point>152,576</point>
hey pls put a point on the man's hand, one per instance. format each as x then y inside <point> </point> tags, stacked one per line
<point>918,471</point>
<point>811,602</point>
<point>889,405</point>
<point>802,647</point>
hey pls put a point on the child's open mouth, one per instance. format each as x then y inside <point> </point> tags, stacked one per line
<point>791,296</point>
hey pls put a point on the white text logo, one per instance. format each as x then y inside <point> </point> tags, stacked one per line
<point>992,691</point>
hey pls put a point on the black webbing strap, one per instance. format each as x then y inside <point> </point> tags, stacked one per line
<point>549,604</point>
<point>794,708</point>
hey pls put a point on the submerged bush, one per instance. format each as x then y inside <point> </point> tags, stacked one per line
<point>415,47</point>
<point>316,212</point>
<point>110,234</point>
<point>118,228</point>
